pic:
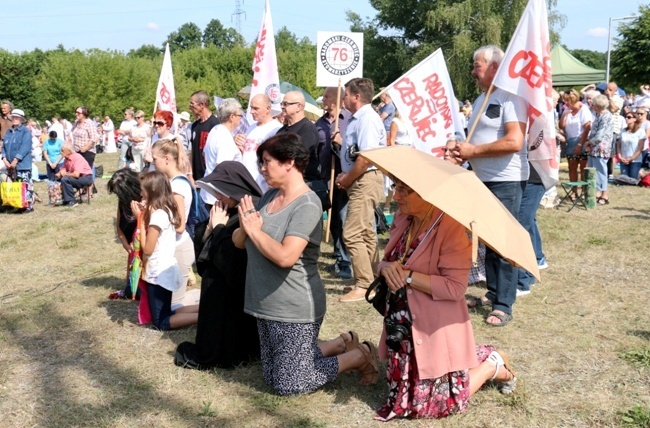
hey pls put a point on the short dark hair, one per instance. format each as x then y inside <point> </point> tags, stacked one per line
<point>361,86</point>
<point>285,147</point>
<point>53,135</point>
<point>84,110</point>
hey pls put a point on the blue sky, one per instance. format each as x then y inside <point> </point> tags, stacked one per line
<point>125,25</point>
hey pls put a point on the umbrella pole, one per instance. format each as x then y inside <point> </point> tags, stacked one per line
<point>336,129</point>
<point>480,112</point>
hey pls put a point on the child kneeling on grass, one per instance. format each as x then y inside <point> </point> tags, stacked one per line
<point>158,239</point>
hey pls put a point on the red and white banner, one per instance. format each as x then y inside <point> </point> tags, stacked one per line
<point>425,99</point>
<point>526,71</point>
<point>165,93</point>
<point>265,66</point>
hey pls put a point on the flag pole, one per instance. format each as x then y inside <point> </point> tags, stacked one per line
<point>480,112</point>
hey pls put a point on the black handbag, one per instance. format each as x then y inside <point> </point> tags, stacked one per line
<point>378,301</point>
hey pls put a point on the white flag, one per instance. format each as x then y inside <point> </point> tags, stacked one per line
<point>165,93</point>
<point>265,66</point>
<point>425,99</point>
<point>526,72</point>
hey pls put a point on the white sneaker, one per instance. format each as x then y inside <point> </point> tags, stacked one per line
<point>522,292</point>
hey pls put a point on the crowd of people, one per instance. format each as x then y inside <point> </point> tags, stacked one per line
<point>264,188</point>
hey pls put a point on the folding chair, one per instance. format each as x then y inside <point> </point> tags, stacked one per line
<point>570,188</point>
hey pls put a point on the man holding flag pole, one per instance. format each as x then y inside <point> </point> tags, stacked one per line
<point>517,89</point>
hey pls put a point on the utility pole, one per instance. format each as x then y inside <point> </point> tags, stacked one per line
<point>236,15</point>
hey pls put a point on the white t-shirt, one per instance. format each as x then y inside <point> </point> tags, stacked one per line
<point>182,187</point>
<point>502,107</point>
<point>220,146</point>
<point>257,135</point>
<point>161,268</point>
<point>402,137</point>
<point>630,142</point>
<point>574,125</point>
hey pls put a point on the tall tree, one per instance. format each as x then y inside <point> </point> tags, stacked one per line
<point>186,37</point>
<point>594,59</point>
<point>146,51</point>
<point>629,60</point>
<point>216,34</point>
<point>457,26</point>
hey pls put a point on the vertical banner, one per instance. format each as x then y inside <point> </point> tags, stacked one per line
<point>265,66</point>
<point>339,57</point>
<point>165,93</point>
<point>526,72</point>
<point>425,98</point>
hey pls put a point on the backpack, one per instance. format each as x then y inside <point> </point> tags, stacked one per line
<point>381,221</point>
<point>198,212</point>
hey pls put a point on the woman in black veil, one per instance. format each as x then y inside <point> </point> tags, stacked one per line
<point>225,336</point>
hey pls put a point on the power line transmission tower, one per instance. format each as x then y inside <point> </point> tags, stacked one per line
<point>237,15</point>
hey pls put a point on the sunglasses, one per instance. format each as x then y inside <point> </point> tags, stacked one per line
<point>139,117</point>
<point>629,117</point>
<point>285,104</point>
<point>159,123</point>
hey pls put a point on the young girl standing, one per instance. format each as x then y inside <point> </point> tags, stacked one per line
<point>160,272</point>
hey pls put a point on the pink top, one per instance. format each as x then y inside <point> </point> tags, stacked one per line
<point>77,163</point>
<point>442,332</point>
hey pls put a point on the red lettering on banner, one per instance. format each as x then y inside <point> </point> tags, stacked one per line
<point>416,105</point>
<point>536,72</point>
<point>436,91</point>
<point>259,53</point>
<point>165,96</point>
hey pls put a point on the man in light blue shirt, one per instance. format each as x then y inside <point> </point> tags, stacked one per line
<point>363,182</point>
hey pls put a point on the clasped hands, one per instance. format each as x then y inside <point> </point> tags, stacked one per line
<point>395,274</point>
<point>250,220</point>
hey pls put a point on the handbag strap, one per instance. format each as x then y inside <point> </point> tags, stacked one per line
<point>435,223</point>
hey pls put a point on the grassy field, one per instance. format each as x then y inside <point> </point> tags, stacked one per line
<point>69,357</point>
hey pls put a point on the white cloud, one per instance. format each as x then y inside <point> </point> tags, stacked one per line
<point>597,32</point>
<point>153,26</point>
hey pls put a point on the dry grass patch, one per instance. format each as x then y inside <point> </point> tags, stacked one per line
<point>70,357</point>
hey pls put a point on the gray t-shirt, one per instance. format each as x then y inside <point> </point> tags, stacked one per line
<point>294,294</point>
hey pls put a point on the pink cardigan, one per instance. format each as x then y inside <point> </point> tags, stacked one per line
<point>442,332</point>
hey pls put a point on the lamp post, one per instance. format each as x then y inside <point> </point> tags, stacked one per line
<point>609,41</point>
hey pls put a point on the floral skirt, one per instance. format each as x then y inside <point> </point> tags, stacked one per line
<point>412,397</point>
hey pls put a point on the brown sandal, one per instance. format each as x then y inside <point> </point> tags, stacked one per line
<point>352,343</point>
<point>370,369</point>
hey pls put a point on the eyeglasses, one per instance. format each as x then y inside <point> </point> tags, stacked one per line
<point>193,104</point>
<point>285,104</point>
<point>159,123</point>
<point>78,112</point>
<point>139,117</point>
<point>401,190</point>
<point>639,113</point>
<point>629,117</point>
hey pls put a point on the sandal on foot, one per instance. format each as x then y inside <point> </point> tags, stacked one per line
<point>351,344</point>
<point>504,319</point>
<point>602,201</point>
<point>370,369</point>
<point>501,359</point>
<point>478,302</point>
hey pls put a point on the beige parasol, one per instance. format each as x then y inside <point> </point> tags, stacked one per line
<point>460,194</point>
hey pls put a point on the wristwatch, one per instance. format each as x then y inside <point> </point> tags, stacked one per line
<point>409,279</point>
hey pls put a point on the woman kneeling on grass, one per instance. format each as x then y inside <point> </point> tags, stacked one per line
<point>282,236</point>
<point>161,217</point>
<point>433,365</point>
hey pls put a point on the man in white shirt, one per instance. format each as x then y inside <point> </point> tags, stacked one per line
<point>264,128</point>
<point>363,182</point>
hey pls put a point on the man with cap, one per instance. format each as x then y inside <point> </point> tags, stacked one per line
<point>17,154</point>
<point>185,132</point>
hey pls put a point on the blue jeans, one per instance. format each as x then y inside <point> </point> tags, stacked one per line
<point>527,217</point>
<point>339,212</point>
<point>631,170</point>
<point>160,306</point>
<point>501,276</point>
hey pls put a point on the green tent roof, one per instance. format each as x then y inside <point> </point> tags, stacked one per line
<point>568,71</point>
